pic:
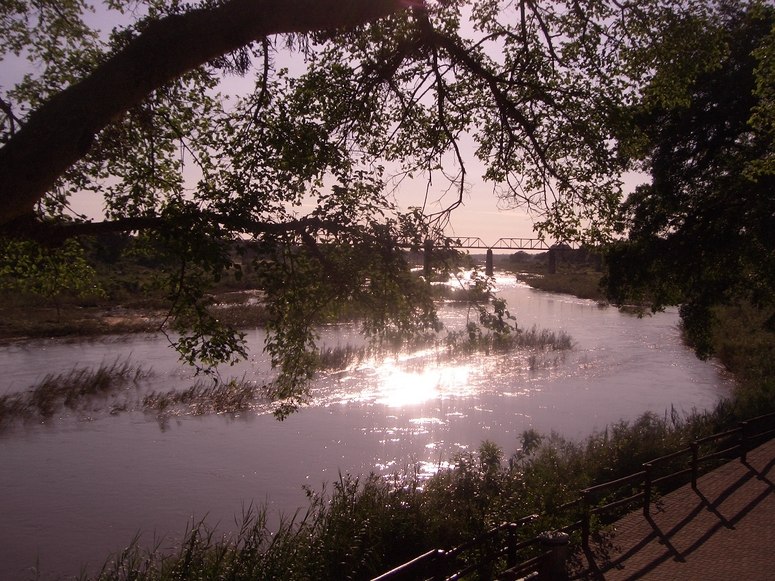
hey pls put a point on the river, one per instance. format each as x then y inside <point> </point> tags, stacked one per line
<point>81,486</point>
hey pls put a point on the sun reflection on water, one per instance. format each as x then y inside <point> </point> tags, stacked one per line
<point>401,387</point>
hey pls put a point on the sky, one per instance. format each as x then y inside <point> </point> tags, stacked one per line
<point>479,215</point>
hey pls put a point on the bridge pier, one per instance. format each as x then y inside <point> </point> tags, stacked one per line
<point>597,257</point>
<point>488,267</point>
<point>552,261</point>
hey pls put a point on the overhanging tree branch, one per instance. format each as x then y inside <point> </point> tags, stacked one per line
<point>60,132</point>
<point>56,232</point>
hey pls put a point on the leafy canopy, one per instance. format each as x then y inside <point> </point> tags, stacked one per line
<point>702,233</point>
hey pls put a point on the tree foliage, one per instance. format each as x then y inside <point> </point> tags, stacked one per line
<point>129,102</point>
<point>25,267</point>
<point>702,233</point>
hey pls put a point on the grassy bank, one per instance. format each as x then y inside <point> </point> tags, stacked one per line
<point>582,283</point>
<point>745,344</point>
<point>25,317</point>
<point>576,273</point>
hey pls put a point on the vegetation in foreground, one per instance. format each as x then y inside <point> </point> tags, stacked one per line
<point>363,526</point>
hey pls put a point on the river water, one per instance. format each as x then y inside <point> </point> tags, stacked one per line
<point>80,487</point>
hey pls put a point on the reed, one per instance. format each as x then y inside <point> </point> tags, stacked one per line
<point>202,398</point>
<point>71,390</point>
<point>534,339</point>
<point>342,356</point>
<point>453,344</point>
<point>744,343</point>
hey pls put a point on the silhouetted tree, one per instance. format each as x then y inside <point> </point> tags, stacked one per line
<point>702,233</point>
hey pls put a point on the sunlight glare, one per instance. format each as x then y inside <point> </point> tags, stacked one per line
<point>400,387</point>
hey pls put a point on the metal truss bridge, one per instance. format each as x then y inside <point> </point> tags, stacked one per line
<point>474,242</point>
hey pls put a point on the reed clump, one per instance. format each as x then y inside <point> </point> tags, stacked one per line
<point>453,344</point>
<point>71,390</point>
<point>202,398</point>
<point>343,356</point>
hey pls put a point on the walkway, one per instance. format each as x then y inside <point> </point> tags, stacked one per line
<point>723,531</point>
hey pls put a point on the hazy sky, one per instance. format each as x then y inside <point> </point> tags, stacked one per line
<point>479,215</point>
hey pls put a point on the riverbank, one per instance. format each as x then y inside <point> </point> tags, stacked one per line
<point>23,318</point>
<point>581,283</point>
<point>743,339</point>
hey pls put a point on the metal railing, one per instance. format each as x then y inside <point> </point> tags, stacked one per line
<point>732,443</point>
<point>478,554</point>
<point>502,542</point>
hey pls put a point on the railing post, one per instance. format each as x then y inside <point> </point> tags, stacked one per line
<point>585,525</point>
<point>647,489</point>
<point>511,549</point>
<point>695,455</point>
<point>440,572</point>
<point>555,566</point>
<point>743,441</point>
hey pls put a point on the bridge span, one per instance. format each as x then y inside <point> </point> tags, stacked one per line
<point>476,243</point>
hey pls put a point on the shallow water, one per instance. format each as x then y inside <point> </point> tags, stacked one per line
<point>78,488</point>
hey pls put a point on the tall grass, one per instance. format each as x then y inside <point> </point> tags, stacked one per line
<point>531,339</point>
<point>744,341</point>
<point>205,397</point>
<point>342,356</point>
<point>455,343</point>
<point>70,390</point>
